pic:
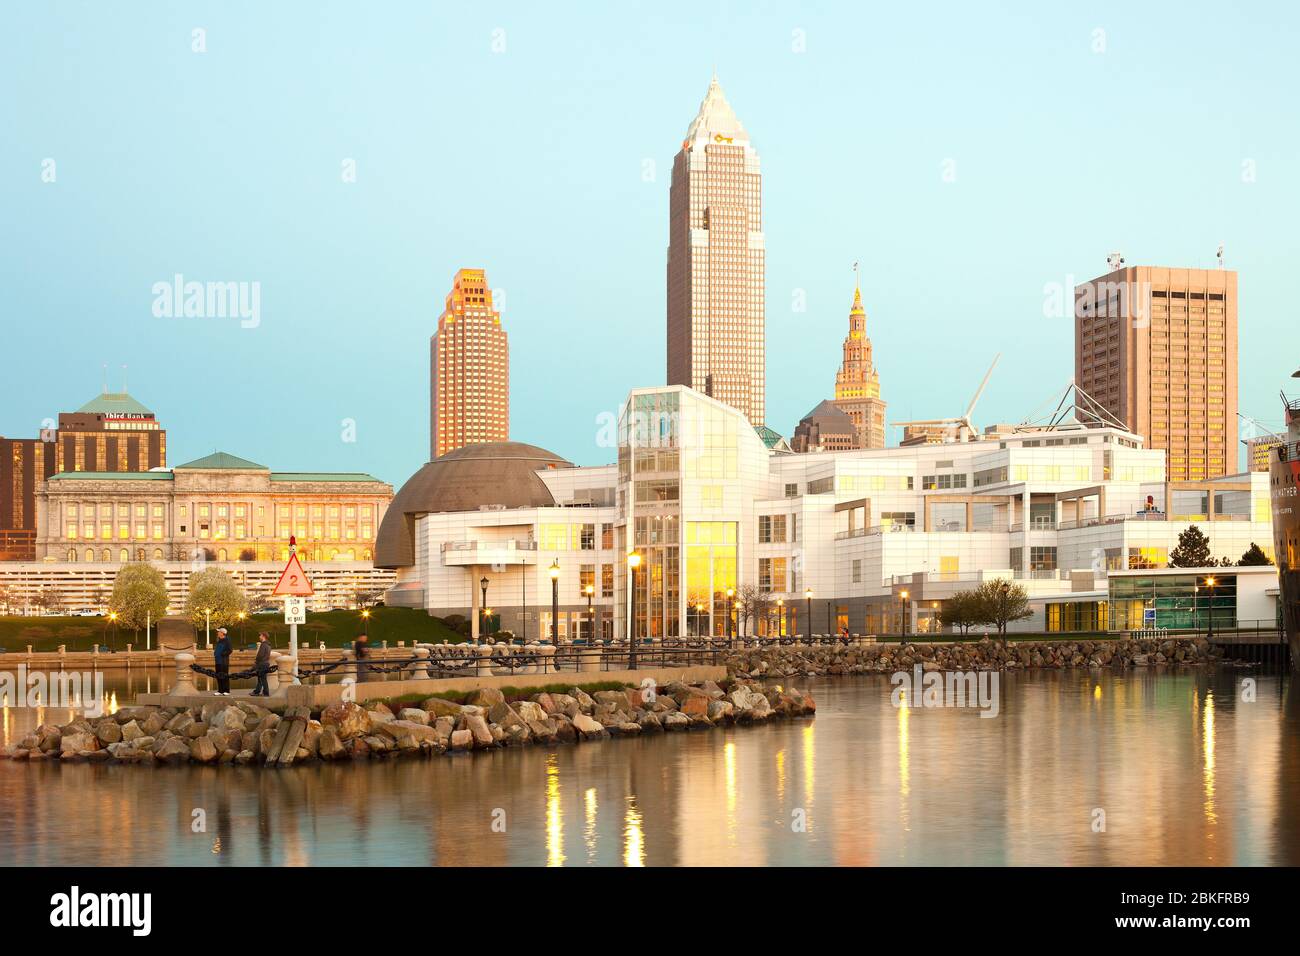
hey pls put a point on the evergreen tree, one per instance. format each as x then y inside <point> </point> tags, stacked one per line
<point>1254,557</point>
<point>1193,550</point>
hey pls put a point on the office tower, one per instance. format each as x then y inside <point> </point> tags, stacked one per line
<point>1156,348</point>
<point>469,369</point>
<point>716,262</point>
<point>857,384</point>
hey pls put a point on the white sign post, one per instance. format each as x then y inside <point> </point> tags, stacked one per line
<point>295,610</point>
<point>294,586</point>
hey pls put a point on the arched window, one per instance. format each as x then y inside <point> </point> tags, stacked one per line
<point>72,555</point>
<point>365,555</point>
<point>221,554</point>
<point>124,555</point>
<point>139,554</point>
<point>157,554</point>
<point>106,555</point>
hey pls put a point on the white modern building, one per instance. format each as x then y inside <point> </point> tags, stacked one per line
<point>714,516</point>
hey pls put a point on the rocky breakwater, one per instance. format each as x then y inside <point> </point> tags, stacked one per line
<point>240,732</point>
<point>792,661</point>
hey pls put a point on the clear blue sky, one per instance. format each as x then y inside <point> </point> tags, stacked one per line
<point>531,161</point>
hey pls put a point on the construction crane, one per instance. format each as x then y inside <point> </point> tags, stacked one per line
<point>956,429</point>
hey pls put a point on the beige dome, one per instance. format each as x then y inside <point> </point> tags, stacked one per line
<point>491,474</point>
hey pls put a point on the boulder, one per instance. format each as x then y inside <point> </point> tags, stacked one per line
<point>244,757</point>
<point>675,721</point>
<point>231,718</point>
<point>414,715</point>
<point>584,701</point>
<point>78,741</point>
<point>461,740</point>
<point>587,728</point>
<point>131,731</point>
<point>438,707</point>
<point>478,728</point>
<point>396,729</point>
<point>330,747</point>
<point>486,697</point>
<point>695,705</point>
<point>178,723</point>
<point>529,711</point>
<point>108,732</point>
<point>348,720</point>
<point>202,750</point>
<point>173,750</point>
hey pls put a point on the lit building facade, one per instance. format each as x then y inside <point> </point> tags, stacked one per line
<point>857,384</point>
<point>110,433</point>
<point>716,262</point>
<point>220,508</point>
<point>469,369</point>
<point>1157,349</point>
<point>878,536</point>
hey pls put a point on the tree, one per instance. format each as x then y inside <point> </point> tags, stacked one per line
<point>1193,550</point>
<point>213,589</point>
<point>139,595</point>
<point>755,604</point>
<point>961,611</point>
<point>1254,557</point>
<point>7,598</point>
<point>47,599</point>
<point>1001,602</point>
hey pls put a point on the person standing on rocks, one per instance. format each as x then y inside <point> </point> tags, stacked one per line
<point>221,656</point>
<point>361,650</point>
<point>262,664</point>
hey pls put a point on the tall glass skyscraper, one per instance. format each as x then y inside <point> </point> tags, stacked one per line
<point>716,262</point>
<point>469,369</point>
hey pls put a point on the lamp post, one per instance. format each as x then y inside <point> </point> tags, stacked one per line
<point>482,625</point>
<point>780,616</point>
<point>808,596</point>
<point>243,615</point>
<point>555,601</point>
<point>207,627</point>
<point>1209,583</point>
<point>523,573</point>
<point>906,610</point>
<point>112,619</point>
<point>737,632</point>
<point>731,593</point>
<point>633,562</point>
<point>590,591</point>
<point>365,621</point>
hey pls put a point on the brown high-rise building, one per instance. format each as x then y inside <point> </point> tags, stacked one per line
<point>469,369</point>
<point>1156,348</point>
<point>716,262</point>
<point>857,384</point>
<point>110,433</point>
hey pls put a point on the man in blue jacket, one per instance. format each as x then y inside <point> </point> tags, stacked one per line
<point>221,655</point>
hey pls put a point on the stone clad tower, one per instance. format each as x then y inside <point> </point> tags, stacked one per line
<point>716,262</point>
<point>857,383</point>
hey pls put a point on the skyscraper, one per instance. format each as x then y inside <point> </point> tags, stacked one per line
<point>1156,348</point>
<point>857,384</point>
<point>716,262</point>
<point>469,369</point>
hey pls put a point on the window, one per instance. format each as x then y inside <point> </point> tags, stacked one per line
<point>771,529</point>
<point>792,490</point>
<point>607,537</point>
<point>587,537</point>
<point>607,580</point>
<point>857,570</point>
<point>586,578</point>
<point>1042,558</point>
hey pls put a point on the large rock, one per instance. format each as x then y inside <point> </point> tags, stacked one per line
<point>173,750</point>
<point>78,741</point>
<point>202,750</point>
<point>330,747</point>
<point>414,714</point>
<point>439,707</point>
<point>152,724</point>
<point>108,732</point>
<point>231,718</point>
<point>587,728</point>
<point>486,697</point>
<point>348,720</point>
<point>397,729</point>
<point>478,728</point>
<point>675,721</point>
<point>529,710</point>
<point>461,740</point>
<point>131,731</point>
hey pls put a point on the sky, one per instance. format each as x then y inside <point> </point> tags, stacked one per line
<point>343,160</point>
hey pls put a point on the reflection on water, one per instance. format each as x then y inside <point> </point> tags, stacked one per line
<point>1185,770</point>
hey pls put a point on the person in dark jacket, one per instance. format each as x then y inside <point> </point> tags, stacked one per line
<point>361,650</point>
<point>221,655</point>
<point>262,664</point>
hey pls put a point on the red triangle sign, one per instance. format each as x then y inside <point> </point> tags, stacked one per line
<point>293,580</point>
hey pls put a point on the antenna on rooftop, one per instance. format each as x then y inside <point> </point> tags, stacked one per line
<point>1115,260</point>
<point>1219,255</point>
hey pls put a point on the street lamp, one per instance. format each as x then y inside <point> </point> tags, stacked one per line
<point>365,621</point>
<point>482,626</point>
<point>207,627</point>
<point>780,616</point>
<point>523,584</point>
<point>633,562</point>
<point>112,618</point>
<point>906,609</point>
<point>808,595</point>
<point>731,593</point>
<point>738,606</point>
<point>590,591</point>
<point>242,636</point>
<point>1209,583</point>
<point>555,601</point>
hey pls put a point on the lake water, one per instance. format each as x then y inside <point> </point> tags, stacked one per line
<point>1184,770</point>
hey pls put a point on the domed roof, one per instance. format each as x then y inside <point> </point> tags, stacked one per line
<point>489,474</point>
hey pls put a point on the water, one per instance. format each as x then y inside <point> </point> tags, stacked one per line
<point>1185,771</point>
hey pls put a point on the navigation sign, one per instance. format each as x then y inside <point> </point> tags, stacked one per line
<point>293,580</point>
<point>295,610</point>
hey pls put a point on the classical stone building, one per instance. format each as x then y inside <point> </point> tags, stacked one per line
<point>219,508</point>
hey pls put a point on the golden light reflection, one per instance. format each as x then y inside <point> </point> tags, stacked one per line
<point>1207,755</point>
<point>589,814</point>
<point>809,761</point>
<point>554,819</point>
<point>904,759</point>
<point>780,776</point>
<point>729,785</point>
<point>633,838</point>
<point>1096,692</point>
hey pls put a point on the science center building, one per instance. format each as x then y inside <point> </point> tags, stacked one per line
<point>872,540</point>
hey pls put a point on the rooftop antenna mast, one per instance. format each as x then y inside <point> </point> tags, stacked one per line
<point>1219,255</point>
